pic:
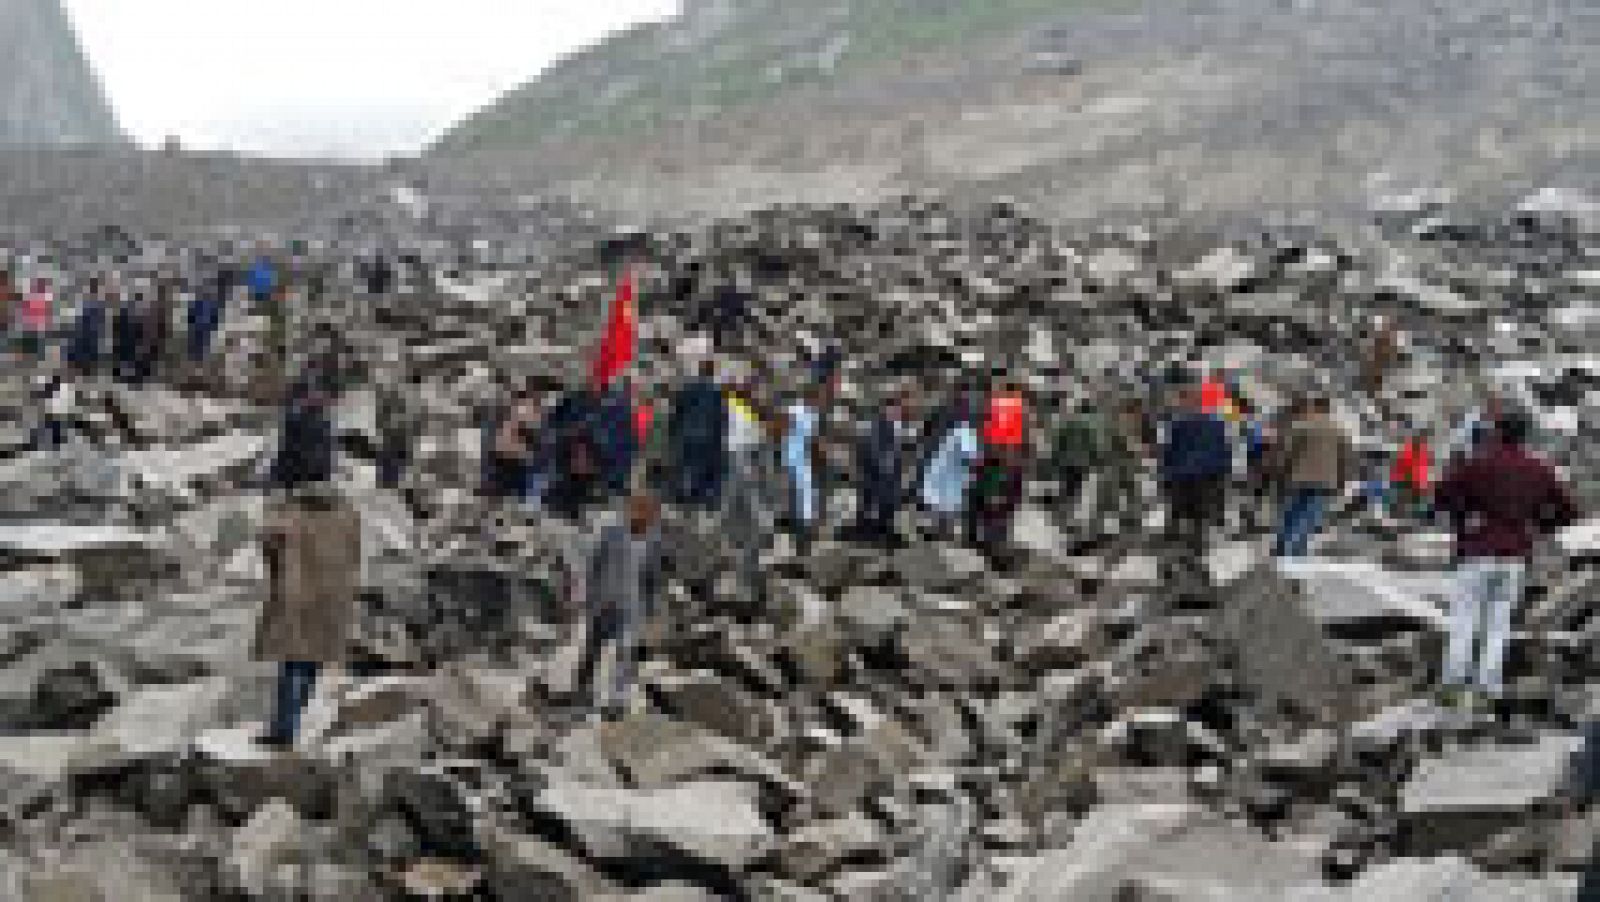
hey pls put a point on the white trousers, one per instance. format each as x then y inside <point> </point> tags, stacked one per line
<point>1487,591</point>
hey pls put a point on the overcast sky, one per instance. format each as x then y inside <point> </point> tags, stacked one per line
<point>358,78</point>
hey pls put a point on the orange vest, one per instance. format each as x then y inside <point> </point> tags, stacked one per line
<point>1003,428</point>
<point>1411,466</point>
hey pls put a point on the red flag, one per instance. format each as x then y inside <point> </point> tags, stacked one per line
<point>617,342</point>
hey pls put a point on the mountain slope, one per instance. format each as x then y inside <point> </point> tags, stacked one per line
<point>48,92</point>
<point>723,55</point>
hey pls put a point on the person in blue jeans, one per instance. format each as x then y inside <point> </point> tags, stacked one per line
<point>312,541</point>
<point>1316,460</point>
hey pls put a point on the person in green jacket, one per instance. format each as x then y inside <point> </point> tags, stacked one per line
<point>1080,450</point>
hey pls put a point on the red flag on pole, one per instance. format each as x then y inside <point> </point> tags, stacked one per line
<point>617,341</point>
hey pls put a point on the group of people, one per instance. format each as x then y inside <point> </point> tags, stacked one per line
<point>955,469</point>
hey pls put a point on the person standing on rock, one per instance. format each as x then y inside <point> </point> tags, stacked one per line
<point>799,461</point>
<point>262,280</point>
<point>622,589</point>
<point>8,307</point>
<point>881,460</point>
<point>997,488</point>
<point>751,499</point>
<point>1381,354</point>
<point>1411,476</point>
<point>947,479</point>
<point>1081,448</point>
<point>34,322</point>
<point>574,469</point>
<point>204,318</point>
<point>312,540</point>
<point>395,424</point>
<point>55,397</point>
<point>512,475</point>
<point>699,426</point>
<point>1196,460</point>
<point>88,332</point>
<point>618,436</point>
<point>1318,460</point>
<point>1499,501</point>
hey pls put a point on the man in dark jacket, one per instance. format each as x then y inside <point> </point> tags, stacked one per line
<point>617,438</point>
<point>568,452</point>
<point>881,464</point>
<point>88,334</point>
<point>699,434</point>
<point>306,442</point>
<point>1196,460</point>
<point>1500,501</point>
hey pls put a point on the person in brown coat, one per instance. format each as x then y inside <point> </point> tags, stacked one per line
<point>1382,352</point>
<point>312,540</point>
<point>1316,461</point>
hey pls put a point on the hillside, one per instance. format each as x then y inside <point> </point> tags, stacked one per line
<point>48,92</point>
<point>1084,107</point>
<point>725,55</point>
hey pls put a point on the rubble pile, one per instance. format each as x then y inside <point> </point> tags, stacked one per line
<point>1057,722</point>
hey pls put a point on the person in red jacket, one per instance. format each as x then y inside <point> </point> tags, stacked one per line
<point>1410,479</point>
<point>1500,501</point>
<point>1005,424</point>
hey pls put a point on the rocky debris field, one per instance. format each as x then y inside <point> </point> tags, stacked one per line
<point>928,723</point>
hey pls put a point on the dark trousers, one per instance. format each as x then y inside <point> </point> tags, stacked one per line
<point>1589,890</point>
<point>392,460</point>
<point>50,434</point>
<point>608,629</point>
<point>700,476</point>
<point>1196,507</point>
<point>879,505</point>
<point>1072,480</point>
<point>295,681</point>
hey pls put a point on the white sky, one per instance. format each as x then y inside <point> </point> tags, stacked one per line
<point>353,78</point>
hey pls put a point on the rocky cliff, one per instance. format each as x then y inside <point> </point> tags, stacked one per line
<point>48,92</point>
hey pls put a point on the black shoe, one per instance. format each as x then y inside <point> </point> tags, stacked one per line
<point>273,741</point>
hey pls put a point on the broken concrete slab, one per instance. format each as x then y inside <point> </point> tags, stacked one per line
<point>714,821</point>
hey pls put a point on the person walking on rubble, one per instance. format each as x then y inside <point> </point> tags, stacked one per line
<point>750,502</point>
<point>9,303</point>
<point>621,596</point>
<point>573,479</point>
<point>1196,459</point>
<point>34,320</point>
<point>947,479</point>
<point>881,459</point>
<point>1082,447</point>
<point>799,461</point>
<point>88,331</point>
<point>699,427</point>
<point>617,435</point>
<point>998,483</point>
<point>1499,502</point>
<point>1318,460</point>
<point>312,540</point>
<point>395,423</point>
<point>1411,475</point>
<point>55,396</point>
<point>513,474</point>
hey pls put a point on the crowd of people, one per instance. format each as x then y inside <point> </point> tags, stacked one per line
<point>951,464</point>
